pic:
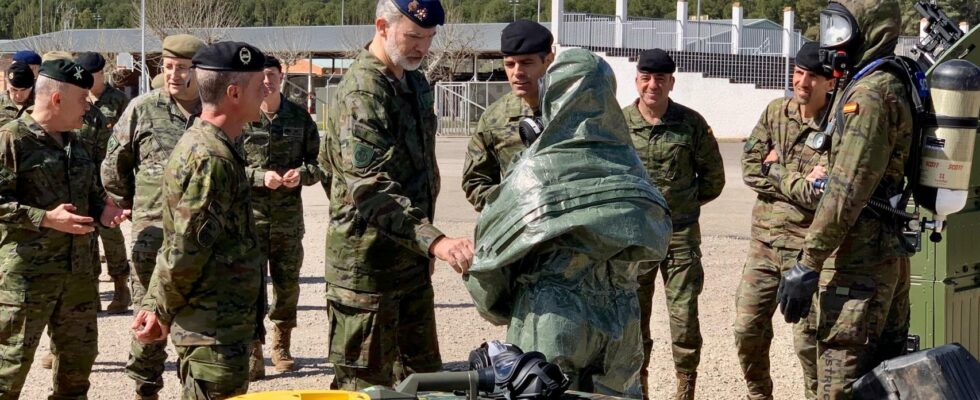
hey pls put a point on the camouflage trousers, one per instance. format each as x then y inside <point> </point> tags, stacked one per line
<point>862,319</point>
<point>683,278</point>
<point>592,335</point>
<point>755,304</point>
<point>145,363</point>
<point>381,338</point>
<point>67,306</point>
<point>213,372</point>
<point>283,251</point>
<point>114,248</point>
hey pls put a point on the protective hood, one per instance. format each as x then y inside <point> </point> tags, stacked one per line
<point>580,186</point>
<point>879,23</point>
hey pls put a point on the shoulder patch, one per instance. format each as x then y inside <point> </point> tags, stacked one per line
<point>851,108</point>
<point>363,155</point>
<point>207,234</point>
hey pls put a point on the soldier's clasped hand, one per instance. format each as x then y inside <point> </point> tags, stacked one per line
<point>64,219</point>
<point>458,252</point>
<point>148,328</point>
<point>273,180</point>
<point>291,178</point>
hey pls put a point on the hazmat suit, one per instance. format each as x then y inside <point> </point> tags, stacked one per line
<point>560,240</point>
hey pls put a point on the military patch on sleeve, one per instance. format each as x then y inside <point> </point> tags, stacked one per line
<point>207,234</point>
<point>851,108</point>
<point>363,155</point>
<point>113,143</point>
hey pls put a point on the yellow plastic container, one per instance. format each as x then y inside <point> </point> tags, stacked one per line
<point>304,395</point>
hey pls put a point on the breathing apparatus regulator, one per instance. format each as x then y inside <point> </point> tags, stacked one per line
<point>945,120</point>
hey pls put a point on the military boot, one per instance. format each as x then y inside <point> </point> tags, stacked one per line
<point>47,361</point>
<point>256,363</point>
<point>281,359</point>
<point>120,295</point>
<point>685,386</point>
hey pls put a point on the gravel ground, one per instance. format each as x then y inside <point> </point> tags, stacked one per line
<point>725,226</point>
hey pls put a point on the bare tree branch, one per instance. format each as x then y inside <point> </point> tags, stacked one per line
<point>207,19</point>
<point>452,48</point>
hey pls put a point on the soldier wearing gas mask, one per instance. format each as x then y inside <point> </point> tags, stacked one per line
<point>562,240</point>
<point>862,303</point>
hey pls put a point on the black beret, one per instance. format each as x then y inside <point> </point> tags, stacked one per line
<point>272,62</point>
<point>27,57</point>
<point>92,62</point>
<point>656,61</point>
<point>808,58</point>
<point>525,37</point>
<point>20,75</point>
<point>230,56</point>
<point>67,71</point>
<point>425,13</point>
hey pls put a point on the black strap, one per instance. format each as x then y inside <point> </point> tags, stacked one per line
<point>932,120</point>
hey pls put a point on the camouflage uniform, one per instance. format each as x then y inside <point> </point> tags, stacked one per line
<point>780,218</point>
<point>380,149</point>
<point>132,174</point>
<point>863,298</point>
<point>208,279</point>
<point>112,103</point>
<point>682,158</point>
<point>493,147</point>
<point>9,109</point>
<point>46,275</point>
<point>94,135</point>
<point>289,141</point>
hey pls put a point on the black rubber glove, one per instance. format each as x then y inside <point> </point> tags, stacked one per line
<point>795,292</point>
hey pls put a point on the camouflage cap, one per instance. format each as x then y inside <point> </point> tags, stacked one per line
<point>67,71</point>
<point>157,82</point>
<point>57,55</point>
<point>181,46</point>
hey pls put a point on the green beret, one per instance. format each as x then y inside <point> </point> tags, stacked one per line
<point>67,71</point>
<point>181,46</point>
<point>525,37</point>
<point>57,55</point>
<point>20,76</point>
<point>230,56</point>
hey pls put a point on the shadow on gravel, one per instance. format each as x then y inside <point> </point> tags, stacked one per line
<point>306,367</point>
<point>310,308</point>
<point>309,280</point>
<point>457,305</point>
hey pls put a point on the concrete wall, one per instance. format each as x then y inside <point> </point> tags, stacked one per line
<point>731,110</point>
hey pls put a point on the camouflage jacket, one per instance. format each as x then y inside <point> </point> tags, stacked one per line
<point>112,103</point>
<point>9,109</point>
<point>207,279</point>
<point>493,147</point>
<point>137,151</point>
<point>38,174</point>
<point>380,150</point>
<point>290,140</point>
<point>94,134</point>
<point>870,147</point>
<point>784,207</point>
<point>682,158</point>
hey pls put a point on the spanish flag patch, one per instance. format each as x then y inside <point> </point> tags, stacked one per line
<point>851,108</point>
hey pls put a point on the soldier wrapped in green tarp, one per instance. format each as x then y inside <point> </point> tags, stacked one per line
<point>559,242</point>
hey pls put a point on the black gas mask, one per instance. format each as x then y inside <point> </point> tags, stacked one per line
<point>840,39</point>
<point>518,375</point>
